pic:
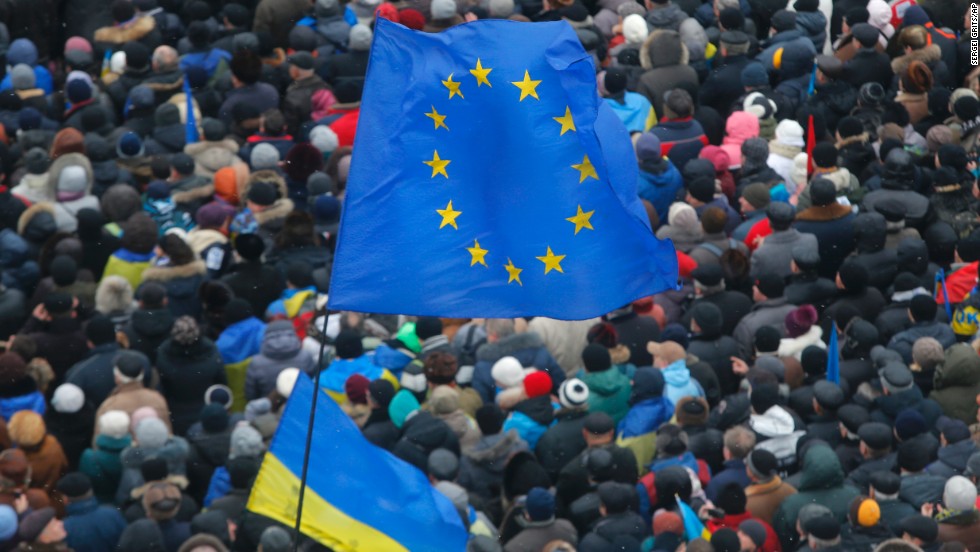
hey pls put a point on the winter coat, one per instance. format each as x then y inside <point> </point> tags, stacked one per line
<point>209,157</point>
<point>167,215</point>
<point>771,312</point>
<point>833,226</point>
<point>61,339</point>
<point>902,341</point>
<point>609,527</point>
<point>678,382</point>
<point>262,96</point>
<point>562,441</point>
<point>66,211</point>
<point>18,267</point>
<point>48,463</point>
<point>537,534</point>
<point>680,139</point>
<point>281,349</point>
<point>957,383</point>
<point>860,477</point>
<point>525,347</point>
<point>918,209</point>
<point>783,39</point>
<point>665,57</point>
<point>186,372</point>
<point>296,101</point>
<point>92,528</point>
<point>259,284</point>
<point>182,283</point>
<point>340,370</point>
<point>733,305</point>
<point>776,253</point>
<point>813,24</point>
<point>660,188</point>
<point>823,483</point>
<point>887,407</point>
<point>129,265</point>
<point>724,85</point>
<point>921,488</point>
<point>793,346</point>
<point>481,469</point>
<point>609,392</point>
<point>379,429</point>
<point>103,466</point>
<point>148,329</point>
<point>716,349</point>
<point>175,452</point>
<point>952,459</point>
<point>564,339</point>
<point>763,499</point>
<point>963,528</point>
<point>94,373</point>
<point>637,431</point>
<point>733,473</point>
<point>423,433</point>
<point>778,430</point>
<point>531,418</point>
<point>21,395</point>
<point>129,397</point>
<point>635,331</point>
<point>72,430</point>
<point>665,16</point>
<point>241,340</point>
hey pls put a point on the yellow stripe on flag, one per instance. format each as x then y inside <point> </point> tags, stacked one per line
<point>276,493</point>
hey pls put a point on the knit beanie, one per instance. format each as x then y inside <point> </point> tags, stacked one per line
<point>508,372</point>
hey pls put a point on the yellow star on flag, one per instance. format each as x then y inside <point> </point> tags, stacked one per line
<point>449,215</point>
<point>566,121</point>
<point>551,262</point>
<point>437,118</point>
<point>439,165</point>
<point>481,74</point>
<point>478,254</point>
<point>585,169</point>
<point>581,220</point>
<point>513,273</point>
<point>528,87</point>
<point>452,86</point>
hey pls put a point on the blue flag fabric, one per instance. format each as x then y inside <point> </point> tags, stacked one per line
<point>490,180</point>
<point>358,497</point>
<point>833,357</point>
<point>693,528</point>
<point>190,127</point>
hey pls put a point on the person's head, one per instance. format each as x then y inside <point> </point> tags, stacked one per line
<point>918,530</point>
<point>823,532</point>
<point>875,439</point>
<point>42,527</point>
<point>129,367</point>
<point>598,429</point>
<point>75,487</point>
<point>678,104</point>
<point>300,65</point>
<point>733,43</point>
<point>738,442</point>
<point>165,58</point>
<point>922,308</point>
<point>761,465</point>
<point>275,539</point>
<point>499,328</point>
<point>246,68</point>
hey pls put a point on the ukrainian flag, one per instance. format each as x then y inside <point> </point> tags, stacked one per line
<point>693,528</point>
<point>358,497</point>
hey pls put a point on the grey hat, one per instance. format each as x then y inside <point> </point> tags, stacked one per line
<point>245,41</point>
<point>37,161</point>
<point>896,377</point>
<point>319,184</point>
<point>781,213</point>
<point>812,511</point>
<point>22,77</point>
<point>828,394</point>
<point>443,465</point>
<point>973,465</point>
<point>264,156</point>
<point>141,97</point>
<point>246,441</point>
<point>876,435</point>
<point>275,539</point>
<point>360,38</point>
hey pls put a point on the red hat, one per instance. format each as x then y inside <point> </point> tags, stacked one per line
<point>685,265</point>
<point>537,384</point>
<point>387,11</point>
<point>356,388</point>
<point>413,19</point>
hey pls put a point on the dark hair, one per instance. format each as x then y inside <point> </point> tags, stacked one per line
<point>679,102</point>
<point>274,122</point>
<point>177,250</point>
<point>297,231</point>
<point>246,66</point>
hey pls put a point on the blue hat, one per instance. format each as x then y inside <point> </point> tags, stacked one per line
<point>22,50</point>
<point>401,406</point>
<point>326,208</point>
<point>915,15</point>
<point>129,145</point>
<point>540,504</point>
<point>8,522</point>
<point>78,90</point>
<point>910,423</point>
<point>158,189</point>
<point>754,75</point>
<point>648,147</point>
<point>141,97</point>
<point>29,118</point>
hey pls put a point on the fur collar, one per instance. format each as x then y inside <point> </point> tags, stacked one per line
<point>782,150</point>
<point>507,346</point>
<point>30,93</point>
<point>201,238</point>
<point>200,147</point>
<point>193,194</point>
<point>647,63</point>
<point>277,58</point>
<point>793,346</point>
<point>166,273</point>
<point>178,481</point>
<point>31,212</point>
<point>928,55</point>
<point>859,139</point>
<point>277,210</point>
<point>129,32</point>
<point>620,354</point>
<point>824,213</point>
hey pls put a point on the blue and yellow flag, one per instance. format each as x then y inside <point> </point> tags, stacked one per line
<point>358,496</point>
<point>693,528</point>
<point>490,180</point>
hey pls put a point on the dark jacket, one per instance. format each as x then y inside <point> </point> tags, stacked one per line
<point>952,459</point>
<point>716,349</point>
<point>680,139</point>
<point>957,383</point>
<point>92,528</point>
<point>525,347</point>
<point>481,469</point>
<point>635,332</point>
<point>296,101</point>
<point>147,330</point>
<point>186,372</point>
<point>733,472</point>
<point>259,284</point>
<point>771,312</point>
<point>561,442</point>
<point>72,430</point>
<point>860,477</point>
<point>62,341</point>
<point>732,304</point>
<point>920,488</point>
<point>833,225</point>
<point>888,406</point>
<point>94,373</point>
<point>182,283</point>
<point>422,434</point>
<point>724,85</point>
<point>665,59</point>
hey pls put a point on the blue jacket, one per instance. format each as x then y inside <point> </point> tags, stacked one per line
<point>645,417</point>
<point>335,376</point>
<point>42,80</point>
<point>241,340</point>
<point>93,528</point>
<point>733,472</point>
<point>679,382</point>
<point>528,429</point>
<point>390,359</point>
<point>18,269</point>
<point>219,486</point>
<point>686,460</point>
<point>209,60</point>
<point>633,111</point>
<point>660,189</point>
<point>742,230</point>
<point>31,401</point>
<point>525,347</point>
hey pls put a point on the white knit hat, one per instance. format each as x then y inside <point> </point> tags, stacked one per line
<point>114,423</point>
<point>635,29</point>
<point>790,133</point>
<point>286,380</point>
<point>68,398</point>
<point>573,393</point>
<point>508,372</point>
<point>324,138</point>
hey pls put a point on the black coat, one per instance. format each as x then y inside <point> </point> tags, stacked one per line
<point>717,350</point>
<point>732,304</point>
<point>422,434</point>
<point>868,303</point>
<point>13,311</point>
<point>72,430</point>
<point>186,372</point>
<point>94,373</point>
<point>892,319</point>
<point>724,85</point>
<point>259,284</point>
<point>833,225</point>
<point>868,65</point>
<point>148,329</point>
<point>705,443</point>
<point>810,289</point>
<point>379,429</point>
<point>573,481</point>
<point>861,476</point>
<point>635,332</point>
<point>561,442</point>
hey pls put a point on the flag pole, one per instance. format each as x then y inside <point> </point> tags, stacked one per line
<point>309,436</point>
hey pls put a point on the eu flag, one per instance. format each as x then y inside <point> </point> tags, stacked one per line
<point>489,180</point>
<point>358,496</point>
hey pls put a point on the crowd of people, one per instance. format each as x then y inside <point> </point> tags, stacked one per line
<point>173,178</point>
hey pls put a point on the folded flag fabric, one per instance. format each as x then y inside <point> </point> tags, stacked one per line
<point>693,528</point>
<point>489,179</point>
<point>358,497</point>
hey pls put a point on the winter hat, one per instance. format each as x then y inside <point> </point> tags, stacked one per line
<point>707,316</point>
<point>822,192</point>
<point>226,185</point>
<point>754,529</point>
<point>953,430</point>
<point>490,419</point>
<point>74,485</point>
<point>68,398</point>
<point>762,463</point>
<point>285,381</point>
<point>864,512</point>
<point>667,522</point>
<point>671,440</point>
<point>718,157</point>
<point>501,9</point>
<point>731,18</point>
<point>158,189</point>
<point>413,378</point>
<point>214,214</point>
<point>825,155</point>
<point>30,119</point>
<point>648,147</point>
<point>214,130</point>
<point>72,183</point>
<point>219,394</point>
<point>58,303</point>
<point>938,136</point>
<point>731,499</point>
<point>359,39</point>
<point>275,539</point>
<point>441,368</point>
<point>508,372</point>
<point>702,188</point>
<point>140,414</point>
<point>757,195</point>
<point>725,540</point>
<point>129,146</point>
<point>402,405</point>
<point>64,271</point>
<point>849,126</point>
<point>151,433</point>
<point>214,418</point>
<point>764,396</point>
<point>262,193</point>
<point>324,139</point>
<point>246,442</point>
<point>537,384</point>
<point>909,423</point>
<point>8,522</point>
<point>442,465</point>
<point>442,9</point>
<point>264,156</point>
<point>539,504</point>
<point>131,364</point>
<point>759,105</point>
<point>754,76</point>
<point>114,423</point>
<point>755,150</point>
<point>573,393</point>
<point>34,524</point>
<point>22,77</point>
<point>800,320</point>
<point>595,358</point>
<point>790,133</point>
<point>927,352</point>
<point>635,29</point>
<point>960,494</point>
<point>185,331</point>
<point>26,428</point>
<point>921,527</point>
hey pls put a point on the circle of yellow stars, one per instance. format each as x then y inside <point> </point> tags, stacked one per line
<point>528,89</point>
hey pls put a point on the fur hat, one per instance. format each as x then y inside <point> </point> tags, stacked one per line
<point>114,423</point>
<point>151,433</point>
<point>185,331</point>
<point>68,398</point>
<point>285,381</point>
<point>508,372</point>
<point>161,501</point>
<point>26,428</point>
<point>114,294</point>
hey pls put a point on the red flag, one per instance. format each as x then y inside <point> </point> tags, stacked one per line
<point>811,140</point>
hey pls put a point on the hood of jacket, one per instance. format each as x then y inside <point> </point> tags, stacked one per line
<point>213,155</point>
<point>694,37</point>
<point>928,55</point>
<point>173,451</point>
<point>961,368</point>
<point>153,323</point>
<point>821,470</point>
<point>813,23</point>
<point>280,341</point>
<point>114,445</point>
<point>493,451</point>
<point>957,454</point>
<point>666,17</point>
<point>676,374</point>
<point>201,238</point>
<point>14,250</point>
<point>663,48</point>
<point>775,422</point>
<point>870,232</point>
<point>68,160</point>
<point>607,382</point>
